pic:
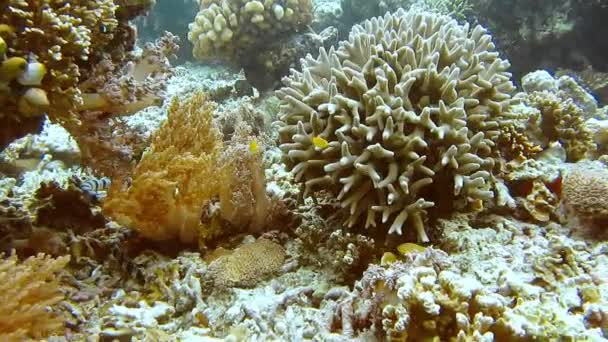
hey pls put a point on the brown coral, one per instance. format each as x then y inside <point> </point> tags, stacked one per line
<point>515,144</point>
<point>540,203</point>
<point>27,290</point>
<point>586,191</point>
<point>247,265</point>
<point>562,120</point>
<point>67,60</point>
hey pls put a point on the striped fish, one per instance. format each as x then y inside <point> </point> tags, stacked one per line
<point>96,187</point>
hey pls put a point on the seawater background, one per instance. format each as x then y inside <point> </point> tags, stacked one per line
<point>556,35</point>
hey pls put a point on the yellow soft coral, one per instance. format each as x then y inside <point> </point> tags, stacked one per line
<point>27,290</point>
<point>175,178</point>
<point>190,182</point>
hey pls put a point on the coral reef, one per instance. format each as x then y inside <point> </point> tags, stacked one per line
<point>322,243</point>
<point>189,181</point>
<point>585,190</point>
<point>30,290</point>
<point>66,61</point>
<point>546,34</point>
<point>409,105</point>
<point>234,29</point>
<point>304,203</point>
<point>511,282</point>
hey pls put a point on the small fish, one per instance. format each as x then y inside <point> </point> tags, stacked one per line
<point>103,28</point>
<point>254,148</point>
<point>408,247</point>
<point>96,187</point>
<point>320,142</point>
<point>388,258</point>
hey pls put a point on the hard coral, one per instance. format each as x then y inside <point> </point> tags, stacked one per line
<point>59,37</point>
<point>113,91</point>
<point>247,265</point>
<point>562,120</point>
<point>48,48</point>
<point>28,289</point>
<point>233,29</point>
<point>407,107</point>
<point>586,191</point>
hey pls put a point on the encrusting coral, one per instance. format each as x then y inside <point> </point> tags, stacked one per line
<point>232,29</point>
<point>28,290</point>
<point>585,190</point>
<point>406,109</point>
<point>247,265</point>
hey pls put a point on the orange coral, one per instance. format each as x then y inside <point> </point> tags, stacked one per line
<point>173,180</point>
<point>27,289</point>
<point>189,182</point>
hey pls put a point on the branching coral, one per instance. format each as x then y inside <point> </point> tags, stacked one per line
<point>405,109</point>
<point>562,120</point>
<point>28,289</point>
<point>234,29</point>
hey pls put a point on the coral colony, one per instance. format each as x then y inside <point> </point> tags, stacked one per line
<point>303,170</point>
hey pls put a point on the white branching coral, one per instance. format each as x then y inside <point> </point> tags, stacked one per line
<point>400,120</point>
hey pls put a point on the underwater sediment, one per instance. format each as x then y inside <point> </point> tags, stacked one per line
<point>295,170</point>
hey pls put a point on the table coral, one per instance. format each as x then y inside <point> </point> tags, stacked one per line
<point>408,107</point>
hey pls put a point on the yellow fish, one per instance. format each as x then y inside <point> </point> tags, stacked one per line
<point>320,142</point>
<point>253,147</point>
<point>4,28</point>
<point>388,258</point>
<point>408,247</point>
